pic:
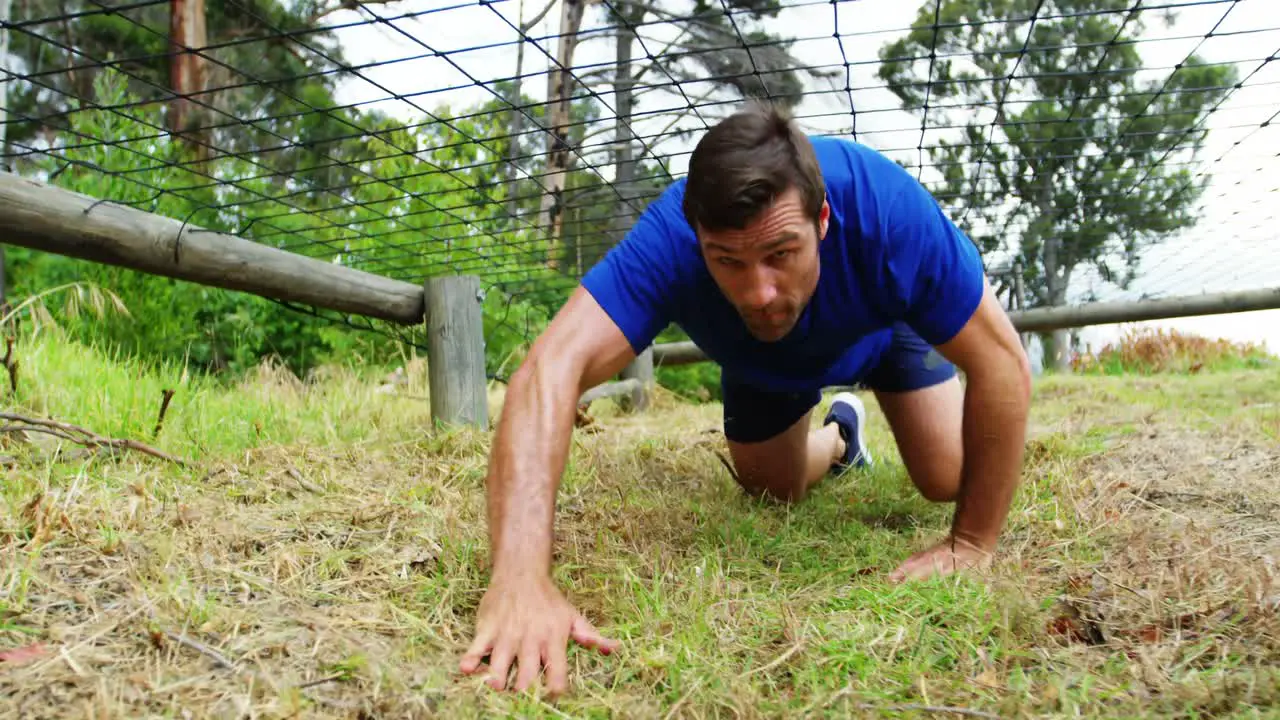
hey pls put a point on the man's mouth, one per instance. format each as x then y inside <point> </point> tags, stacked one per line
<point>768,320</point>
<point>777,317</point>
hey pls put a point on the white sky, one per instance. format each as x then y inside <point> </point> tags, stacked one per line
<point>1234,245</point>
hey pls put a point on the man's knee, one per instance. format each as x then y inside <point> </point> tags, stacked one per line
<point>944,491</point>
<point>769,471</point>
<point>785,487</point>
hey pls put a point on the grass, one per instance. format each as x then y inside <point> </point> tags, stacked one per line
<point>329,546</point>
<point>1145,350</point>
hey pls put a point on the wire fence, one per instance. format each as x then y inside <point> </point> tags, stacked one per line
<point>1098,149</point>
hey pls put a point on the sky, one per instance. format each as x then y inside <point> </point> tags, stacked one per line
<point>445,53</point>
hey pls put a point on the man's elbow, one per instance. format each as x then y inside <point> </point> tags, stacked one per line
<point>1007,366</point>
<point>546,366</point>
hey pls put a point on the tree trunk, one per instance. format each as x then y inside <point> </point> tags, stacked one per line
<point>5,6</point>
<point>559,99</point>
<point>187,72</point>
<point>516,125</point>
<point>1019,293</point>
<point>517,117</point>
<point>623,151</point>
<point>1057,345</point>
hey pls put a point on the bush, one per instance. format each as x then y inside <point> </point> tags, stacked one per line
<point>699,382</point>
<point>1148,350</point>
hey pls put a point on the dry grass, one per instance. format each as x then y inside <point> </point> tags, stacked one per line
<point>329,565</point>
<point>1144,349</point>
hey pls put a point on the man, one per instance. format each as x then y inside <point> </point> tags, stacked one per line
<point>796,264</point>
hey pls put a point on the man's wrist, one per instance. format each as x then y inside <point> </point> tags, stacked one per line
<point>520,566</point>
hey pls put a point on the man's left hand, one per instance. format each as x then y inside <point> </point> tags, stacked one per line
<point>947,556</point>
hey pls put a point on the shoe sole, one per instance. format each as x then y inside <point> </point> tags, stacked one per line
<point>860,412</point>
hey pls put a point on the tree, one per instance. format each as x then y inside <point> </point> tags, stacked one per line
<point>730,52</point>
<point>269,80</point>
<point>1094,169</point>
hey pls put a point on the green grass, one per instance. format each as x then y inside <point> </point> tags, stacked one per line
<point>119,396</point>
<point>332,546</point>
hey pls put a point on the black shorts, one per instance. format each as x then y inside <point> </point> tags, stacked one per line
<point>909,363</point>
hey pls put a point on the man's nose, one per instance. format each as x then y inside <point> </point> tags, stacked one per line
<point>759,289</point>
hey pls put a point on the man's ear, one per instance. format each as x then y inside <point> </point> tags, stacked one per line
<point>824,220</point>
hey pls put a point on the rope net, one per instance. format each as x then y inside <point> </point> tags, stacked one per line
<point>1093,149</point>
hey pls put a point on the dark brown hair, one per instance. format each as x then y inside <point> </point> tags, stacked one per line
<point>744,162</point>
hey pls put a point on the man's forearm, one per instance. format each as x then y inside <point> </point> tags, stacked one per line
<point>995,425</point>
<point>528,457</point>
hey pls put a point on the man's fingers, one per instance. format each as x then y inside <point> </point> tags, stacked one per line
<point>557,675</point>
<point>585,634</point>
<point>529,663</point>
<point>500,665</point>
<point>480,647</point>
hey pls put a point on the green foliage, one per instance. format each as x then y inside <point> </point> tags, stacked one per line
<point>169,320</point>
<point>340,185</point>
<point>1098,159</point>
<point>696,382</point>
<point>294,170</point>
<point>741,54</point>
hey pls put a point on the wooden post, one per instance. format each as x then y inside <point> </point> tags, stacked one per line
<point>640,369</point>
<point>455,351</point>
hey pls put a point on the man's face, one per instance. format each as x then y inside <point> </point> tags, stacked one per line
<point>769,269</point>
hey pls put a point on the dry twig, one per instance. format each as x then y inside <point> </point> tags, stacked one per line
<point>164,407</point>
<point>11,364</point>
<point>80,435</point>
<point>201,648</point>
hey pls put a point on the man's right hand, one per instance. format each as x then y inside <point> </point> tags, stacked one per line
<point>529,621</point>
<point>523,618</point>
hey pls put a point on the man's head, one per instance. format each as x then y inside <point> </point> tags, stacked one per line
<point>756,200</point>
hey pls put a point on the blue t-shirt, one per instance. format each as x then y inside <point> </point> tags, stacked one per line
<point>890,255</point>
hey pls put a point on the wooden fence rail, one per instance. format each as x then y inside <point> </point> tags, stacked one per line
<point>1058,318</point>
<point>47,218</point>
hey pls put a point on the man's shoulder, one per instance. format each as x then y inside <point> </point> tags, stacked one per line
<point>858,169</point>
<point>661,231</point>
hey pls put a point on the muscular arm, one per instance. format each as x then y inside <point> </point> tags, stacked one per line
<point>581,348</point>
<point>996,402</point>
<point>926,271</point>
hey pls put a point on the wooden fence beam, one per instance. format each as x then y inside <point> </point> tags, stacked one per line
<point>678,353</point>
<point>609,389</point>
<point>1075,316</point>
<point>641,371</point>
<point>47,218</point>
<point>455,351</point>
<point>1058,318</point>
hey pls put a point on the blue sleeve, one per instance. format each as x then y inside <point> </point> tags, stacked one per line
<point>632,282</point>
<point>929,274</point>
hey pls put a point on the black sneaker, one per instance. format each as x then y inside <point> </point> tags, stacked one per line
<point>848,413</point>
